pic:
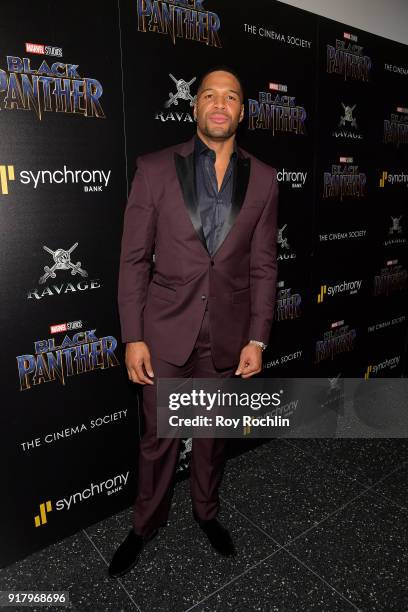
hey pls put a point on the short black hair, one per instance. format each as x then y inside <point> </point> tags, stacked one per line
<point>224,68</point>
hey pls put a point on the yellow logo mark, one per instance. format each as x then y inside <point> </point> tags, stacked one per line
<point>384,178</point>
<point>323,291</point>
<point>6,173</point>
<point>41,519</point>
<point>368,371</point>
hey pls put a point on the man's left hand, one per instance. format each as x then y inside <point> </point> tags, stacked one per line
<point>250,361</point>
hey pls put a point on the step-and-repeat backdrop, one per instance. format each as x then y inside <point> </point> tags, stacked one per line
<point>80,97</point>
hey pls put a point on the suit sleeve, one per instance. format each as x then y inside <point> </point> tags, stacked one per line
<point>264,268</point>
<point>139,229</point>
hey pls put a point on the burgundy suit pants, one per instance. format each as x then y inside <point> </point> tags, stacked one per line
<point>158,457</point>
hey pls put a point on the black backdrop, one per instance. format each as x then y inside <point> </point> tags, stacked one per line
<point>326,104</point>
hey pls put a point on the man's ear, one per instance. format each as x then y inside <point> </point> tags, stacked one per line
<point>241,114</point>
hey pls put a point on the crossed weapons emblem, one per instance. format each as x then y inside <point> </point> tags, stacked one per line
<point>62,259</point>
<point>395,227</point>
<point>283,242</point>
<point>334,382</point>
<point>187,448</point>
<point>182,93</point>
<point>348,116</point>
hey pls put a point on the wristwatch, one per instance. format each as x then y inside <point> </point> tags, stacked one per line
<point>258,343</point>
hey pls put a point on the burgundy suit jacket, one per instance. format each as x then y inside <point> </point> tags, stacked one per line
<point>166,309</point>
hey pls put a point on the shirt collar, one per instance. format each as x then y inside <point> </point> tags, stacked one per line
<point>201,147</point>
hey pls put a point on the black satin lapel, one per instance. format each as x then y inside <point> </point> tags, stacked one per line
<point>185,167</point>
<point>241,180</point>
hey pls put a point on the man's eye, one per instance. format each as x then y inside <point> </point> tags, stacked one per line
<point>232,97</point>
<point>208,96</point>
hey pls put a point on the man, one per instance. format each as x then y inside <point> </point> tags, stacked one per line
<point>208,212</point>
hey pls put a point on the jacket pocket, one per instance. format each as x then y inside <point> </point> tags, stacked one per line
<point>242,295</point>
<point>162,292</point>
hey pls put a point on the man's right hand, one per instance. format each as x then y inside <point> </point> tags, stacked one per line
<point>138,363</point>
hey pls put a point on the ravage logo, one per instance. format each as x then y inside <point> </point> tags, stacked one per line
<point>395,232</point>
<point>183,97</point>
<point>347,126</point>
<point>62,263</point>
<point>285,251</point>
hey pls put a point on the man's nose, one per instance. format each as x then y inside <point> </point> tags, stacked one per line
<point>219,101</point>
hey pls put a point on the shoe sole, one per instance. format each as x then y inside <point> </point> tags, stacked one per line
<point>224,554</point>
<point>231,553</point>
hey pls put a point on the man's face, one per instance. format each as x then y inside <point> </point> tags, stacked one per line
<point>219,108</point>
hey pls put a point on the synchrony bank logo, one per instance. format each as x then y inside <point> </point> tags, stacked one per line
<point>109,487</point>
<point>90,180</point>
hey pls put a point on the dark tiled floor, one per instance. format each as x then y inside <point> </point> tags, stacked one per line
<point>319,525</point>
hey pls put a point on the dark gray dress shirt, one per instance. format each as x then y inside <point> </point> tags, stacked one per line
<point>214,206</point>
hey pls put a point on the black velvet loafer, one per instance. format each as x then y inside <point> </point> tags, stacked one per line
<point>218,536</point>
<point>127,555</point>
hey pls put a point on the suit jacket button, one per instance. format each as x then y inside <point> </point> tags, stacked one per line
<point>203,297</point>
<point>212,262</point>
